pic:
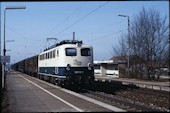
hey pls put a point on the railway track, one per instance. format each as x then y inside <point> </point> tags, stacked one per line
<point>129,98</point>
<point>123,103</point>
<point>152,98</point>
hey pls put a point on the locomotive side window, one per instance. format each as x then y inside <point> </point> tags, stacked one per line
<point>43,56</point>
<point>50,54</point>
<point>46,56</point>
<point>53,53</point>
<point>40,58</point>
<point>71,52</point>
<point>57,53</point>
<point>85,52</point>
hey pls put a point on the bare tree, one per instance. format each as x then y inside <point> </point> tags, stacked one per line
<point>121,49</point>
<point>148,43</point>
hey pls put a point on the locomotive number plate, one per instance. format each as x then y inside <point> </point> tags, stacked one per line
<point>78,72</point>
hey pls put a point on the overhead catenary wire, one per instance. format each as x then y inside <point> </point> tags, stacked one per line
<point>74,12</point>
<point>21,36</point>
<point>107,35</point>
<point>82,18</point>
<point>105,27</point>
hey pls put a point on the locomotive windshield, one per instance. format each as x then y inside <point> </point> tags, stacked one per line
<point>85,52</point>
<point>71,52</point>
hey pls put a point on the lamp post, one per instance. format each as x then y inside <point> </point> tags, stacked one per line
<point>128,38</point>
<point>9,8</point>
<point>4,50</point>
<point>2,71</point>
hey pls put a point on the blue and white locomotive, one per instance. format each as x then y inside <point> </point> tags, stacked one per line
<point>67,62</point>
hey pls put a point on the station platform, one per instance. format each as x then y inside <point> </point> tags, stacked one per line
<point>156,85</point>
<point>30,94</point>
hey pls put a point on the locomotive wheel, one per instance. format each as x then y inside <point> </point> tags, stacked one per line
<point>52,80</point>
<point>41,77</point>
<point>59,83</point>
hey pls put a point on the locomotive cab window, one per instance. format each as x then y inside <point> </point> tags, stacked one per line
<point>71,52</point>
<point>85,52</point>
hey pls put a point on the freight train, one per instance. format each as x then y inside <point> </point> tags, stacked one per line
<point>69,62</point>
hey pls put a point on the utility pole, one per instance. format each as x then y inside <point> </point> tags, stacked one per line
<point>128,40</point>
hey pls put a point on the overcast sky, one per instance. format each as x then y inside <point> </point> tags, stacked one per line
<point>95,23</point>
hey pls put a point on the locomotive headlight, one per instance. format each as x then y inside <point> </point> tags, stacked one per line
<point>68,67</point>
<point>89,66</point>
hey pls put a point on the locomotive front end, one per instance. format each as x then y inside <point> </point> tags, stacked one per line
<point>68,62</point>
<point>79,64</point>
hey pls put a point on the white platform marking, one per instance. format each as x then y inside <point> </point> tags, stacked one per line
<point>53,94</point>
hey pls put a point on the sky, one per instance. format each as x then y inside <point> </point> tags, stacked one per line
<point>96,23</point>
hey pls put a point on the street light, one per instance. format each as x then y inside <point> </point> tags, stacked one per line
<point>128,38</point>
<point>2,67</point>
<point>9,8</point>
<point>4,50</point>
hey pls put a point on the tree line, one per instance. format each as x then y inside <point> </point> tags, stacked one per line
<point>147,43</point>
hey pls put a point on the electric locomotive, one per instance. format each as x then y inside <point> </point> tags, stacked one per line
<point>69,62</point>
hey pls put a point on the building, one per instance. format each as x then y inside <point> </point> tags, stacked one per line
<point>114,68</point>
